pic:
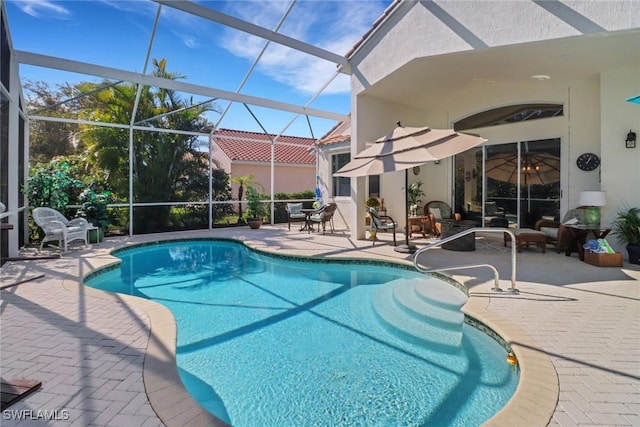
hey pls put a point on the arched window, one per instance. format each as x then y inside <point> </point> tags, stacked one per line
<point>509,114</point>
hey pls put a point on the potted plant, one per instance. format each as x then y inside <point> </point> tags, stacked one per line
<point>256,209</point>
<point>372,202</point>
<point>626,228</point>
<point>414,193</point>
<point>93,208</point>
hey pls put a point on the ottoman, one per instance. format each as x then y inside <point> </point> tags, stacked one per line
<point>525,236</point>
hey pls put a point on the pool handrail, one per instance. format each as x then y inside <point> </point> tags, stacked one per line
<point>461,267</point>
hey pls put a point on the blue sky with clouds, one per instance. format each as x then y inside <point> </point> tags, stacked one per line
<point>117,34</point>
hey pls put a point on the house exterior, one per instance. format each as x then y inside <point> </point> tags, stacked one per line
<point>333,153</point>
<point>242,153</point>
<point>527,76</point>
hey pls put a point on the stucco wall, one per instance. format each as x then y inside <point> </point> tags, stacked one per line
<point>346,209</point>
<point>221,158</point>
<point>596,116</point>
<point>287,179</point>
<point>440,27</point>
<point>620,170</point>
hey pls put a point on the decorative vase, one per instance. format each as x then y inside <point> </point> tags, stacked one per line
<point>254,223</point>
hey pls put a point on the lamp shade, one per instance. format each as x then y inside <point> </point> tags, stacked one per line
<point>592,198</point>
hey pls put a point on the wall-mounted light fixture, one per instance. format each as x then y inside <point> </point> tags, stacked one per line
<point>631,139</point>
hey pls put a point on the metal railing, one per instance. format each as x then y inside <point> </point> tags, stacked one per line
<point>462,267</point>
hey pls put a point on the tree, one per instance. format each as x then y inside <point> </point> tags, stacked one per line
<point>244,181</point>
<point>167,166</point>
<point>54,185</point>
<point>49,139</point>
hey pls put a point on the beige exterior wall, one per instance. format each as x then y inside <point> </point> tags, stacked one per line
<point>596,117</point>
<point>287,179</point>
<point>346,209</point>
<point>424,29</point>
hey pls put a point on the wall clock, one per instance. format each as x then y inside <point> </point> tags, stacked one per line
<point>588,161</point>
<point>416,170</point>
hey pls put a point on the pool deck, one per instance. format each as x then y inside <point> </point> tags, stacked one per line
<point>102,358</point>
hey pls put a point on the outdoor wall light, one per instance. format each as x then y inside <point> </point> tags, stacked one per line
<point>631,139</point>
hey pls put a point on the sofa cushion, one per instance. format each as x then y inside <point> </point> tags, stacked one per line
<point>550,232</point>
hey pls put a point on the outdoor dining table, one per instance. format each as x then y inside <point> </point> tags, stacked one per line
<point>307,221</point>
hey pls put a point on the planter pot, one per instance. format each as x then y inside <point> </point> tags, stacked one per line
<point>634,254</point>
<point>254,223</point>
<point>96,236</point>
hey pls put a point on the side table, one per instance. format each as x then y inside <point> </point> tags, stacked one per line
<point>579,233</point>
<point>424,222</point>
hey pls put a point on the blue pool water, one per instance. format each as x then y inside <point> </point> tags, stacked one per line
<point>266,341</point>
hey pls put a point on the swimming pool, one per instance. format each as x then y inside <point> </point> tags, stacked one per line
<point>274,341</point>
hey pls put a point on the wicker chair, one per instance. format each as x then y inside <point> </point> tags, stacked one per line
<point>57,227</point>
<point>294,213</point>
<point>556,232</point>
<point>436,211</point>
<point>324,215</point>
<point>381,223</point>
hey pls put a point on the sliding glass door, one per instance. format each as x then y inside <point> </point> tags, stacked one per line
<point>515,183</point>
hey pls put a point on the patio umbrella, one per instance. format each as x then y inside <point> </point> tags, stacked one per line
<point>404,148</point>
<point>535,169</point>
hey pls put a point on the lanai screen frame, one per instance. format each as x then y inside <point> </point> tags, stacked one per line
<point>144,79</point>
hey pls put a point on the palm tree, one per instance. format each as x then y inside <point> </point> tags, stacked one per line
<point>167,167</point>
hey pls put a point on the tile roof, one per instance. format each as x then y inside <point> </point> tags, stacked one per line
<point>256,147</point>
<point>340,132</point>
<point>334,139</point>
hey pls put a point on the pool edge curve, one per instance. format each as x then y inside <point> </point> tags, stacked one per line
<point>532,404</point>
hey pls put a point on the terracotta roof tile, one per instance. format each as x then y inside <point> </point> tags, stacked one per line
<point>334,139</point>
<point>256,147</point>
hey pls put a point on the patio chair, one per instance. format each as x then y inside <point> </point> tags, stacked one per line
<point>492,212</point>
<point>294,213</point>
<point>556,232</point>
<point>324,215</point>
<point>381,223</point>
<point>438,211</point>
<point>57,227</point>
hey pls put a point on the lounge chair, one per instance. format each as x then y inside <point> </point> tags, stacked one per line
<point>324,215</point>
<point>438,211</point>
<point>57,227</point>
<point>493,213</point>
<point>556,232</point>
<point>381,223</point>
<point>294,213</point>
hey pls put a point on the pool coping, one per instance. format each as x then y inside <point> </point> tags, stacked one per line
<point>533,402</point>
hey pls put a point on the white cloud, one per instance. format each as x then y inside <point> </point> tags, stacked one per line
<point>42,8</point>
<point>333,25</point>
<point>184,26</point>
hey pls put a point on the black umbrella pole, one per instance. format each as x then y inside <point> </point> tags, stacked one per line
<point>407,248</point>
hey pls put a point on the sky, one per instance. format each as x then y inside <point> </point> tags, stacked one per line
<point>117,34</point>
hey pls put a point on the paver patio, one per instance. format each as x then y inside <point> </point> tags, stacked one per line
<point>89,350</point>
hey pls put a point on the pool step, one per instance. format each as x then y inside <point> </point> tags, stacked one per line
<point>427,310</point>
<point>440,294</point>
<point>401,322</point>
